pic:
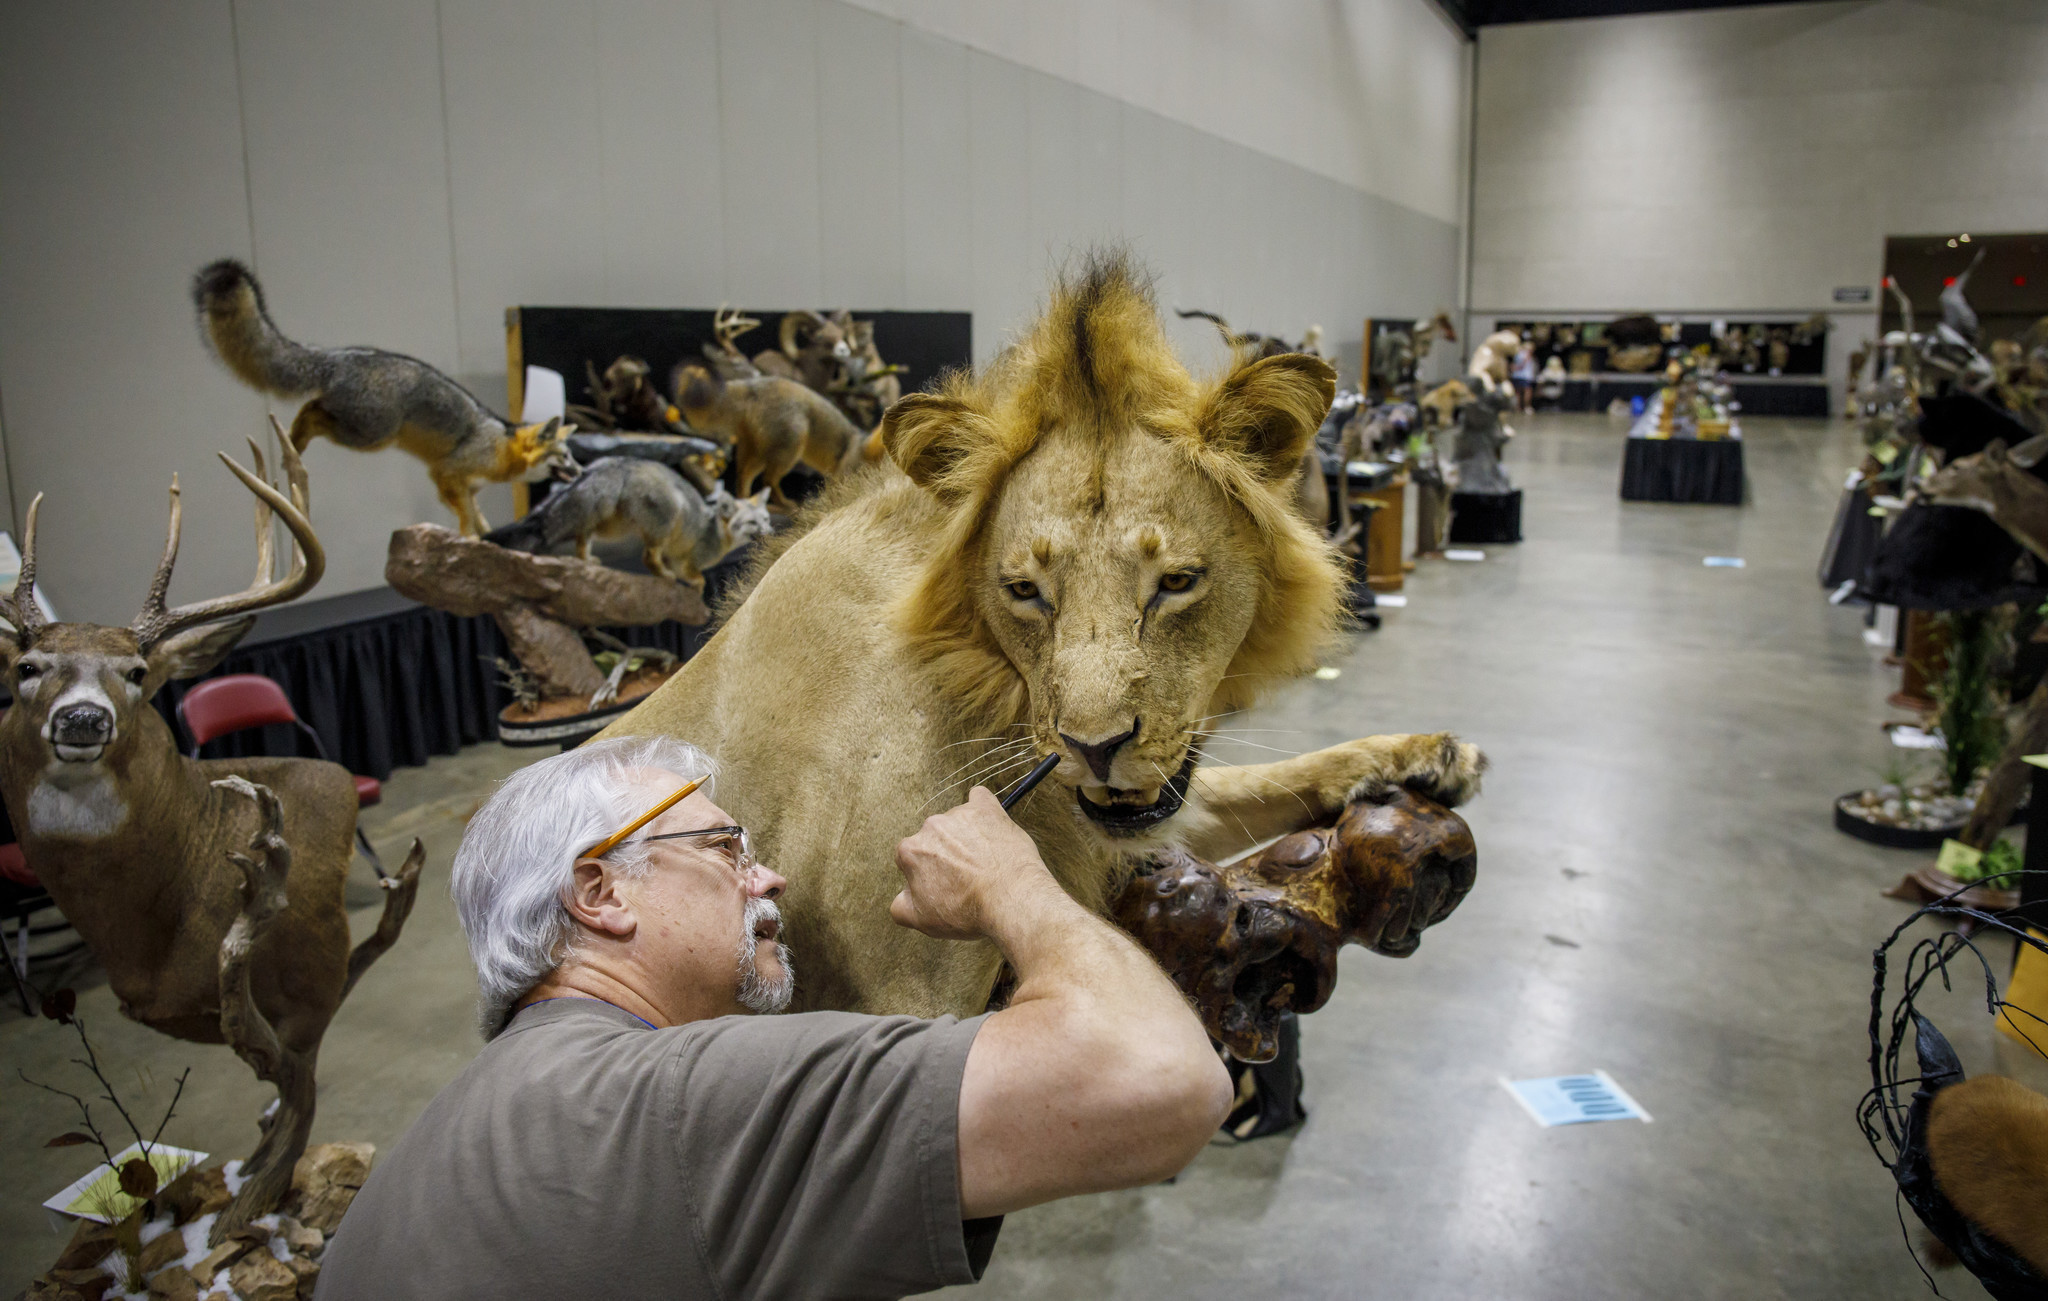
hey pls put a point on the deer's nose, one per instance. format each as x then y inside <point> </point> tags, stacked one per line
<point>83,724</point>
<point>1097,754</point>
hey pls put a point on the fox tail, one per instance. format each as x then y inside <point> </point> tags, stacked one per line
<point>238,330</point>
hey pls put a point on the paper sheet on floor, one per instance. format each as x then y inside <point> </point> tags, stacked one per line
<point>1575,1099</point>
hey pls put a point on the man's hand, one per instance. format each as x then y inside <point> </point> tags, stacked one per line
<point>965,868</point>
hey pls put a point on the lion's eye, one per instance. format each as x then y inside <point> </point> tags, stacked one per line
<point>1180,582</point>
<point>1023,589</point>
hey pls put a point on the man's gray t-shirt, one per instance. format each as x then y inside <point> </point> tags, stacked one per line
<point>587,1154</point>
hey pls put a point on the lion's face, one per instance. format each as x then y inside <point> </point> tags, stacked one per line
<point>1121,557</point>
<point>1121,589</point>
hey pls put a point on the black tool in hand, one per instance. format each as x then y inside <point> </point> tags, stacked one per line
<point>1032,778</point>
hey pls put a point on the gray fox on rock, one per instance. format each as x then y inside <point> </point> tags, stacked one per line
<point>367,399</point>
<point>772,424</point>
<point>681,532</point>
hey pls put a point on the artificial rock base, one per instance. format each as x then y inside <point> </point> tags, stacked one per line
<point>276,1259</point>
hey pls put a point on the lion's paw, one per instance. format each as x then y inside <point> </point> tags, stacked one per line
<point>1437,766</point>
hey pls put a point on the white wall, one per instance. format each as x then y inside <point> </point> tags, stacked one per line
<point>1748,160</point>
<point>401,171</point>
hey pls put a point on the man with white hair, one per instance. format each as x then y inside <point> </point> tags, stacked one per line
<point>628,1131</point>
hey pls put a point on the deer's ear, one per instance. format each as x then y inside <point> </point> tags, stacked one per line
<point>2028,454</point>
<point>196,650</point>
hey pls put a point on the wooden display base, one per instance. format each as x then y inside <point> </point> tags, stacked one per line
<point>568,721</point>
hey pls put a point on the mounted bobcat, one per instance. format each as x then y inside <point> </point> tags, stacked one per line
<point>366,399</point>
<point>772,424</point>
<point>1080,551</point>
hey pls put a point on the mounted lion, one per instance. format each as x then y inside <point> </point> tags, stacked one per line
<point>1081,549</point>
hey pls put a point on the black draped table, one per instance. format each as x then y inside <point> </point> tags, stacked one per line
<point>1707,471</point>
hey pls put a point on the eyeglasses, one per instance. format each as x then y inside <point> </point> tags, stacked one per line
<point>733,840</point>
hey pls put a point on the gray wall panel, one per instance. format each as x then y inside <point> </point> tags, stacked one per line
<point>523,144</point>
<point>1008,267</point>
<point>768,97</point>
<point>348,186</point>
<point>121,172</point>
<point>860,158</point>
<point>938,215</point>
<point>660,190</point>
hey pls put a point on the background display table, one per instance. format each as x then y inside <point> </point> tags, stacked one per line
<point>1707,471</point>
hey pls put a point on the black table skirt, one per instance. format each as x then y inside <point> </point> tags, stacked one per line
<point>1682,469</point>
<point>1758,398</point>
<point>394,690</point>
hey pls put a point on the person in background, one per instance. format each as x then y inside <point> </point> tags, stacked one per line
<point>1523,373</point>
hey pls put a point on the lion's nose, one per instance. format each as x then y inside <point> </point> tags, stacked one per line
<point>82,725</point>
<point>1097,754</point>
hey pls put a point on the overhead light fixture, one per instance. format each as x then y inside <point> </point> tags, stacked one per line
<point>1964,238</point>
<point>1951,243</point>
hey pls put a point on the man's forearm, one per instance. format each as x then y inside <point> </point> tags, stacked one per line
<point>1096,1076</point>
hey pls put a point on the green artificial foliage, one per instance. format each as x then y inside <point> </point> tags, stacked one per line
<point>1970,702</point>
<point>2003,857</point>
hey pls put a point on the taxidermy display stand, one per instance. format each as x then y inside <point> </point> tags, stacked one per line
<point>1486,507</point>
<point>539,603</point>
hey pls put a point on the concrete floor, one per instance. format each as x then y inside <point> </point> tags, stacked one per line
<point>1661,895</point>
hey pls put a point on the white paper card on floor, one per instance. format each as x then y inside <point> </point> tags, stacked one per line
<point>97,1195</point>
<point>1575,1099</point>
<point>1456,554</point>
<point>1390,601</point>
<point>1908,737</point>
<point>1722,562</point>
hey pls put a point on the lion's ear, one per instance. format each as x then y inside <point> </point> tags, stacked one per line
<point>1268,412</point>
<point>928,436</point>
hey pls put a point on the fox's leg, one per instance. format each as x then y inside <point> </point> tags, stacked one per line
<point>313,421</point>
<point>457,495</point>
<point>583,546</point>
<point>657,563</point>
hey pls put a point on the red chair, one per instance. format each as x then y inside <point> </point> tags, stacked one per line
<point>237,701</point>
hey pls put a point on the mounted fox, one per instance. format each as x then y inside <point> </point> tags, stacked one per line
<point>141,847</point>
<point>682,533</point>
<point>366,399</point>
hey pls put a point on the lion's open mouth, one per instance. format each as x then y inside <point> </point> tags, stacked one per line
<point>1135,819</point>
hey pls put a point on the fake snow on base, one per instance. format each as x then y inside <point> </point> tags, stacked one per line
<point>115,1266</point>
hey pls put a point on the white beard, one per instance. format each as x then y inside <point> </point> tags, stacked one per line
<point>756,993</point>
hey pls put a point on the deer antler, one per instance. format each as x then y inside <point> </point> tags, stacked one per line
<point>21,609</point>
<point>730,323</point>
<point>309,561</point>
